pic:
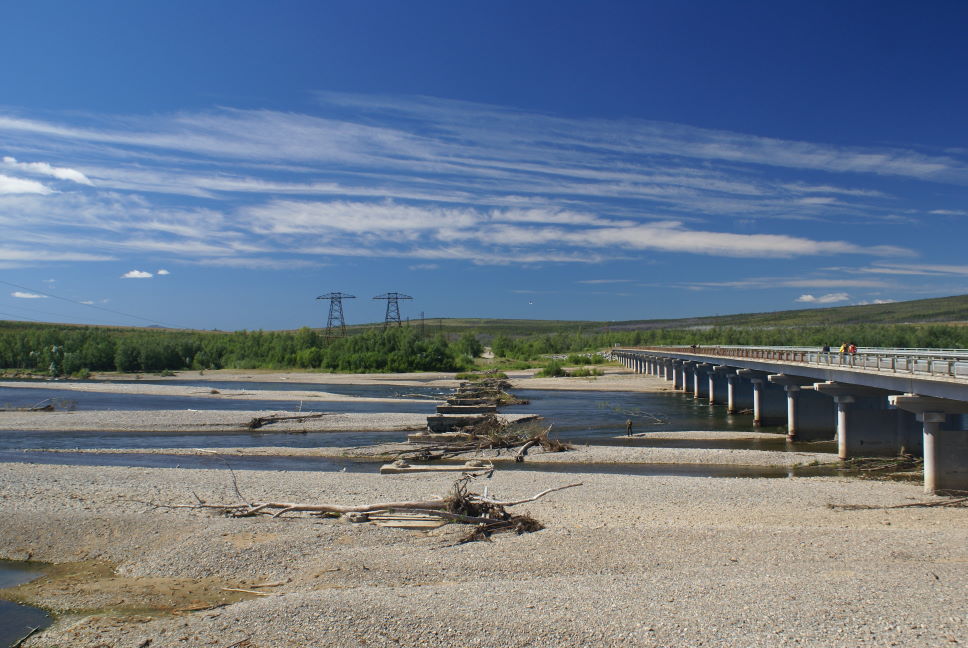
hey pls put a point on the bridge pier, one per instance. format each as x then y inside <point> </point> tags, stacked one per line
<point>792,386</point>
<point>719,386</point>
<point>677,373</point>
<point>769,405</point>
<point>702,384</point>
<point>865,425</point>
<point>739,394</point>
<point>945,450</point>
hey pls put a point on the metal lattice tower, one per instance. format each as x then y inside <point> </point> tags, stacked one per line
<point>393,307</point>
<point>336,313</point>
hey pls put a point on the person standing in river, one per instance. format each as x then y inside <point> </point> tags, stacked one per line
<point>628,427</point>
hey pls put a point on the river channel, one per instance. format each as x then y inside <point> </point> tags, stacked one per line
<point>591,417</point>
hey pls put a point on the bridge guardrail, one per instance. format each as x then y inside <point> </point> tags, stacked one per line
<point>949,365</point>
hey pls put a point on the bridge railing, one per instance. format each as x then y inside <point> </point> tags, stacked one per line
<point>941,363</point>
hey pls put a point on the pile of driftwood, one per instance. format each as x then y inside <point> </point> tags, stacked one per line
<point>491,433</point>
<point>461,505</point>
<point>489,390</point>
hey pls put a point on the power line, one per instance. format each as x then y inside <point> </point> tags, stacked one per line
<point>100,308</point>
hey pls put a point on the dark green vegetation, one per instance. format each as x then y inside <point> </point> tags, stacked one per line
<point>75,350</point>
<point>451,345</point>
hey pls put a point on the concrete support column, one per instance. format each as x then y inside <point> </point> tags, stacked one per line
<point>945,450</point>
<point>701,381</point>
<point>843,403</point>
<point>866,424</point>
<point>757,401</point>
<point>933,455</point>
<point>676,374</point>
<point>696,378</point>
<point>719,384</point>
<point>793,392</point>
<point>731,380</point>
<point>791,385</point>
<point>685,377</point>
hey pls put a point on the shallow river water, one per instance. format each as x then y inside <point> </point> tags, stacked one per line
<point>583,416</point>
<point>16,621</point>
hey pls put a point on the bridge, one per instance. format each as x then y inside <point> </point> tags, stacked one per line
<point>873,402</point>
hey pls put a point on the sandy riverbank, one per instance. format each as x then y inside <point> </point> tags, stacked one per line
<point>624,560</point>
<point>614,379</point>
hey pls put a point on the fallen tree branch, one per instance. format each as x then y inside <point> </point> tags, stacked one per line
<point>529,499</point>
<point>245,591</point>
<point>954,503</point>
<point>259,421</point>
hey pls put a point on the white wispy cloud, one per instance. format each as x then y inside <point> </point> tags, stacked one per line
<point>925,269</point>
<point>27,295</point>
<point>423,266</point>
<point>604,281</point>
<point>162,272</point>
<point>136,274</point>
<point>43,168</point>
<point>792,282</point>
<point>829,298</point>
<point>9,185</point>
<point>429,179</point>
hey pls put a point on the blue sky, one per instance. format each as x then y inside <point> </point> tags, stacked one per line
<point>220,164</point>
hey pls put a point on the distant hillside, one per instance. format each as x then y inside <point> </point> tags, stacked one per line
<point>946,310</point>
<point>942,310</point>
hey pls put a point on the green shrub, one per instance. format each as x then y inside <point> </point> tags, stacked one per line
<point>552,370</point>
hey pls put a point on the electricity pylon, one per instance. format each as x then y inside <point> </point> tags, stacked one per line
<point>393,307</point>
<point>335,313</point>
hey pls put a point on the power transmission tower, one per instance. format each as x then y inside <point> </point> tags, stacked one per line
<point>393,307</point>
<point>336,313</point>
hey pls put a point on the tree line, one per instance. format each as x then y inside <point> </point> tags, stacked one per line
<point>63,350</point>
<point>68,350</point>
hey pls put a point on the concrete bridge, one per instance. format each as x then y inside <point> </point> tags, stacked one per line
<point>874,402</point>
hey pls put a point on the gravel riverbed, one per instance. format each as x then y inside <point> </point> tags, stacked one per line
<point>624,560</point>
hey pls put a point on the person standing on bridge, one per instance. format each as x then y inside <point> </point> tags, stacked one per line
<point>628,428</point>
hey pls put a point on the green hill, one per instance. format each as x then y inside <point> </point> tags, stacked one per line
<point>940,310</point>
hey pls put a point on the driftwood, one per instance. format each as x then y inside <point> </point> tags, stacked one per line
<point>460,506</point>
<point>955,502</point>
<point>260,421</point>
<point>490,433</point>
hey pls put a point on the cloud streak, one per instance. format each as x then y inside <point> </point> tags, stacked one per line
<point>43,168</point>
<point>428,179</point>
